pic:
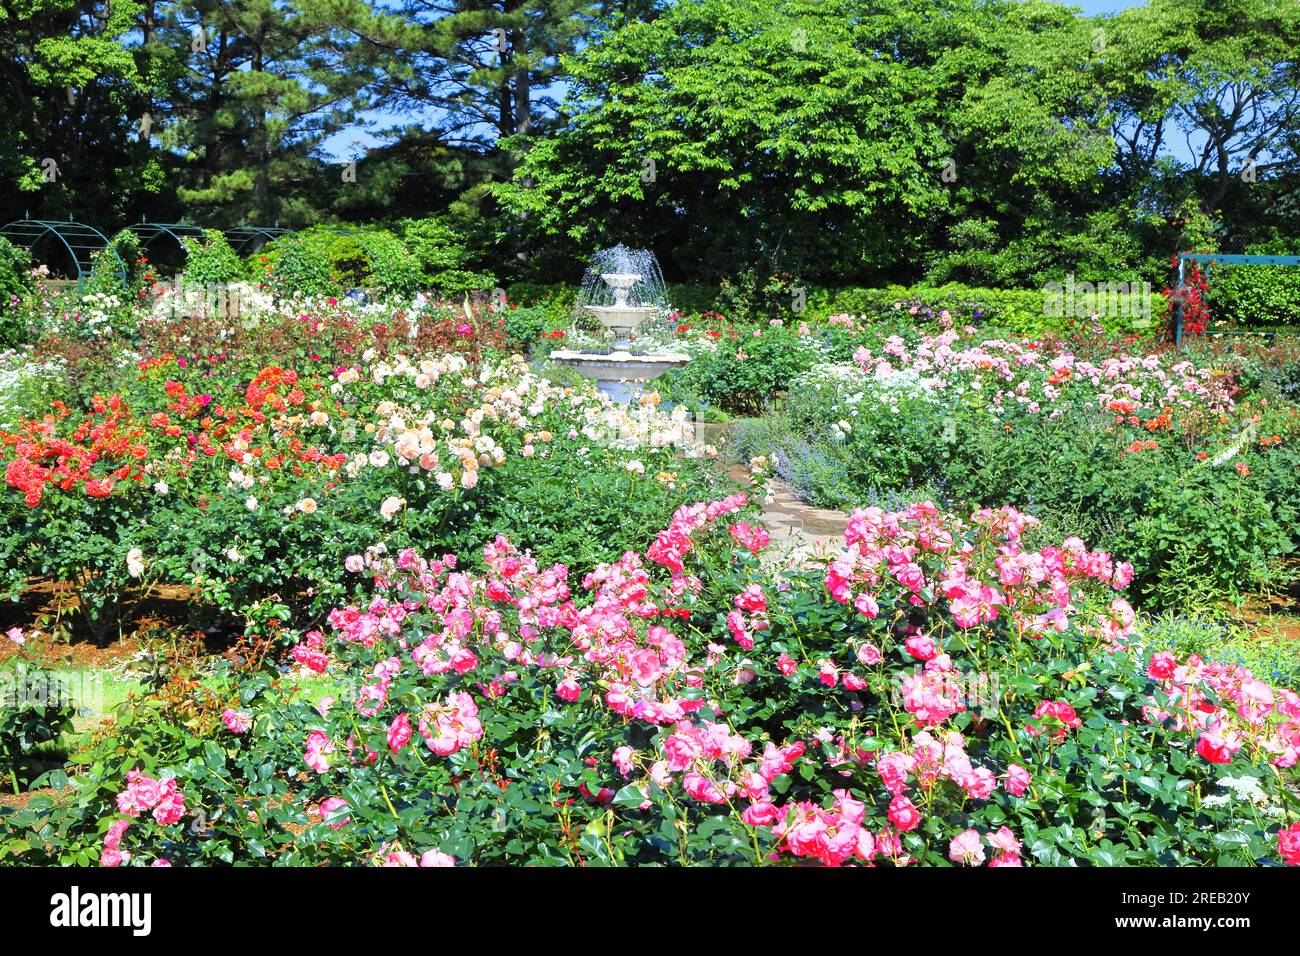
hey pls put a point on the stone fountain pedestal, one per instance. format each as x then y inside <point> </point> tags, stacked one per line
<point>620,374</point>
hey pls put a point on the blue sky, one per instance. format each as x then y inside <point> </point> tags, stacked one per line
<point>1095,8</point>
<point>351,143</point>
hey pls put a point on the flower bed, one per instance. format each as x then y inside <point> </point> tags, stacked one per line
<point>249,483</point>
<point>1150,454</point>
<point>936,692</point>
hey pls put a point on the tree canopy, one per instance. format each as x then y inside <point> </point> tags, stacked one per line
<point>998,142</point>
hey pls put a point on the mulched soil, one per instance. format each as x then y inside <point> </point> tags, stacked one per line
<point>20,801</point>
<point>160,609</point>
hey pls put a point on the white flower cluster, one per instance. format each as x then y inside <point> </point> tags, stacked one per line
<point>96,313</point>
<point>1244,789</point>
<point>20,375</point>
<point>417,429</point>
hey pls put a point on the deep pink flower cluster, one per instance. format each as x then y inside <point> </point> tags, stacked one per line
<point>616,651</point>
<point>917,555</point>
<point>142,793</point>
<point>750,615</point>
<point>309,652</point>
<point>932,760</point>
<point>676,541</point>
<point>1055,718</point>
<point>753,538</point>
<point>714,767</point>
<point>834,836</point>
<point>1227,709</point>
<point>450,725</point>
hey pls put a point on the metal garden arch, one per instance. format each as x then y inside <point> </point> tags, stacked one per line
<point>178,231</point>
<point>240,237</point>
<point>81,242</point>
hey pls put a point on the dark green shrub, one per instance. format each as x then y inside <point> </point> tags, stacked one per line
<point>211,259</point>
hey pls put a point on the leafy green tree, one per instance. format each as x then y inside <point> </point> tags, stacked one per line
<point>70,90</point>
<point>1218,78</point>
<point>444,254</point>
<point>262,84</point>
<point>731,134</point>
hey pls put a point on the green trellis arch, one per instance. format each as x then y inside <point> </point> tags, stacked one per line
<point>148,232</point>
<point>82,243</point>
<point>241,237</point>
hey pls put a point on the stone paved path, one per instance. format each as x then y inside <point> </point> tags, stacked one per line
<point>794,524</point>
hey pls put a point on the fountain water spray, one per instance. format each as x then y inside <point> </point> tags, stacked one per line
<point>622,288</point>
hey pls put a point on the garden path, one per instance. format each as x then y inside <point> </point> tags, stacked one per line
<point>794,523</point>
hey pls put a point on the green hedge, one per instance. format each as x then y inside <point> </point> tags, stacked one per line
<point>15,282</point>
<point>1013,310</point>
<point>559,296</point>
<point>1257,295</point>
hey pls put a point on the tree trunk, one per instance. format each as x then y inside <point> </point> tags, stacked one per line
<point>523,93</point>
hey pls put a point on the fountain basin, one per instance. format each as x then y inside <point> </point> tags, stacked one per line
<point>621,318</point>
<point>620,374</point>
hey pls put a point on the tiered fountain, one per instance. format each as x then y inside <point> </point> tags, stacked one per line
<point>622,288</point>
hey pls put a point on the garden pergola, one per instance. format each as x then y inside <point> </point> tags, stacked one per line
<point>1212,258</point>
<point>82,243</point>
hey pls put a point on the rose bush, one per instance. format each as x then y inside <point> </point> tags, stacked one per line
<point>1152,455</point>
<point>932,692</point>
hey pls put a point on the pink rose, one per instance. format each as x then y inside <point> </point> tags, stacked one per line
<point>1162,666</point>
<point>236,721</point>
<point>869,655</point>
<point>1288,844</point>
<point>866,605</point>
<point>171,806</point>
<point>319,747</point>
<point>966,849</point>
<point>1218,747</point>
<point>623,759</point>
<point>1017,780</point>
<point>328,806</point>
<point>646,667</point>
<point>903,814</point>
<point>399,733</point>
<point>920,647</point>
